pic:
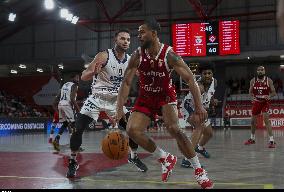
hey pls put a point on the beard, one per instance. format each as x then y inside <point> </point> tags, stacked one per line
<point>260,76</point>
<point>146,45</point>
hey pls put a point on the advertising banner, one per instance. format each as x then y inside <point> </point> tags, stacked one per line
<point>241,116</point>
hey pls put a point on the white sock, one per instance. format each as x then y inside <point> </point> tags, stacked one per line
<point>200,147</point>
<point>73,156</point>
<point>271,138</point>
<point>195,162</point>
<point>160,153</point>
<point>252,136</point>
<point>133,153</point>
<point>51,136</point>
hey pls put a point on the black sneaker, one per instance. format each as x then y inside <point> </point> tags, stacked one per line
<point>186,164</point>
<point>55,143</point>
<point>202,152</point>
<point>72,168</point>
<point>138,163</point>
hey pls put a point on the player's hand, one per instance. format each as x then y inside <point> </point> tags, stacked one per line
<point>201,113</point>
<point>98,67</point>
<point>119,114</point>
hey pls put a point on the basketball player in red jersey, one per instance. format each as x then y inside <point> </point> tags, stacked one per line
<point>261,89</point>
<point>154,62</point>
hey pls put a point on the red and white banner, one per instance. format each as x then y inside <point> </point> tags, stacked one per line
<point>240,116</point>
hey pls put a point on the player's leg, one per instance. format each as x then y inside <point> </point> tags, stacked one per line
<point>271,143</point>
<point>136,125</point>
<point>170,117</point>
<point>256,110</point>
<point>207,134</point>
<point>133,157</point>
<point>88,112</point>
<point>56,142</point>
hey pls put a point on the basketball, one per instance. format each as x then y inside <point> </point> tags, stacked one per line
<point>115,145</point>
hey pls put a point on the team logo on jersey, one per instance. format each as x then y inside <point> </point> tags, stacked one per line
<point>160,62</point>
<point>152,63</point>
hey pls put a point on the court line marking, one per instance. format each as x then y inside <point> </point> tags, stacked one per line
<point>265,186</point>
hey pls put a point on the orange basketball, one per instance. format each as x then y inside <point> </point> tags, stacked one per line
<point>115,145</point>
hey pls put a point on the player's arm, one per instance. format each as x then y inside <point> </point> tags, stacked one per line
<point>272,89</point>
<point>177,63</point>
<point>126,83</point>
<point>201,87</point>
<point>251,88</point>
<point>56,101</point>
<point>74,90</point>
<point>214,101</point>
<point>95,66</point>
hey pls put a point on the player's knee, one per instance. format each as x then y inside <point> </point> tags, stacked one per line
<point>133,131</point>
<point>81,123</point>
<point>266,121</point>
<point>173,129</point>
<point>253,120</point>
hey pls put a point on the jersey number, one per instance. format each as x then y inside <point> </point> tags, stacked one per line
<point>259,92</point>
<point>120,72</point>
<point>63,97</point>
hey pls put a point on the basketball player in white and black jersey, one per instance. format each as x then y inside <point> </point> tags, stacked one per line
<point>66,103</point>
<point>107,71</point>
<point>207,85</point>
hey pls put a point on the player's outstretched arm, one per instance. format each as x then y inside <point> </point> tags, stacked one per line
<point>95,66</point>
<point>175,61</point>
<point>126,83</point>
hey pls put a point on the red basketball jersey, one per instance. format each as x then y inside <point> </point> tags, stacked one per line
<point>261,88</point>
<point>154,74</point>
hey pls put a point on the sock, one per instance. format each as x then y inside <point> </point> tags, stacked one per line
<point>195,162</point>
<point>160,153</point>
<point>51,136</point>
<point>73,156</point>
<point>200,147</point>
<point>252,136</point>
<point>271,138</point>
<point>133,153</point>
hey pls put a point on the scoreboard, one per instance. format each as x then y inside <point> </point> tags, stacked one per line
<point>206,39</point>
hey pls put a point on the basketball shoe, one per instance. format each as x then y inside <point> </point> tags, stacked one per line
<point>168,165</point>
<point>249,142</point>
<point>202,179</point>
<point>72,168</point>
<point>137,162</point>
<point>202,152</point>
<point>55,143</point>
<point>271,144</point>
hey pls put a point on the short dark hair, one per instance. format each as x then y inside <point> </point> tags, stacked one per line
<point>206,66</point>
<point>152,24</point>
<point>120,31</point>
